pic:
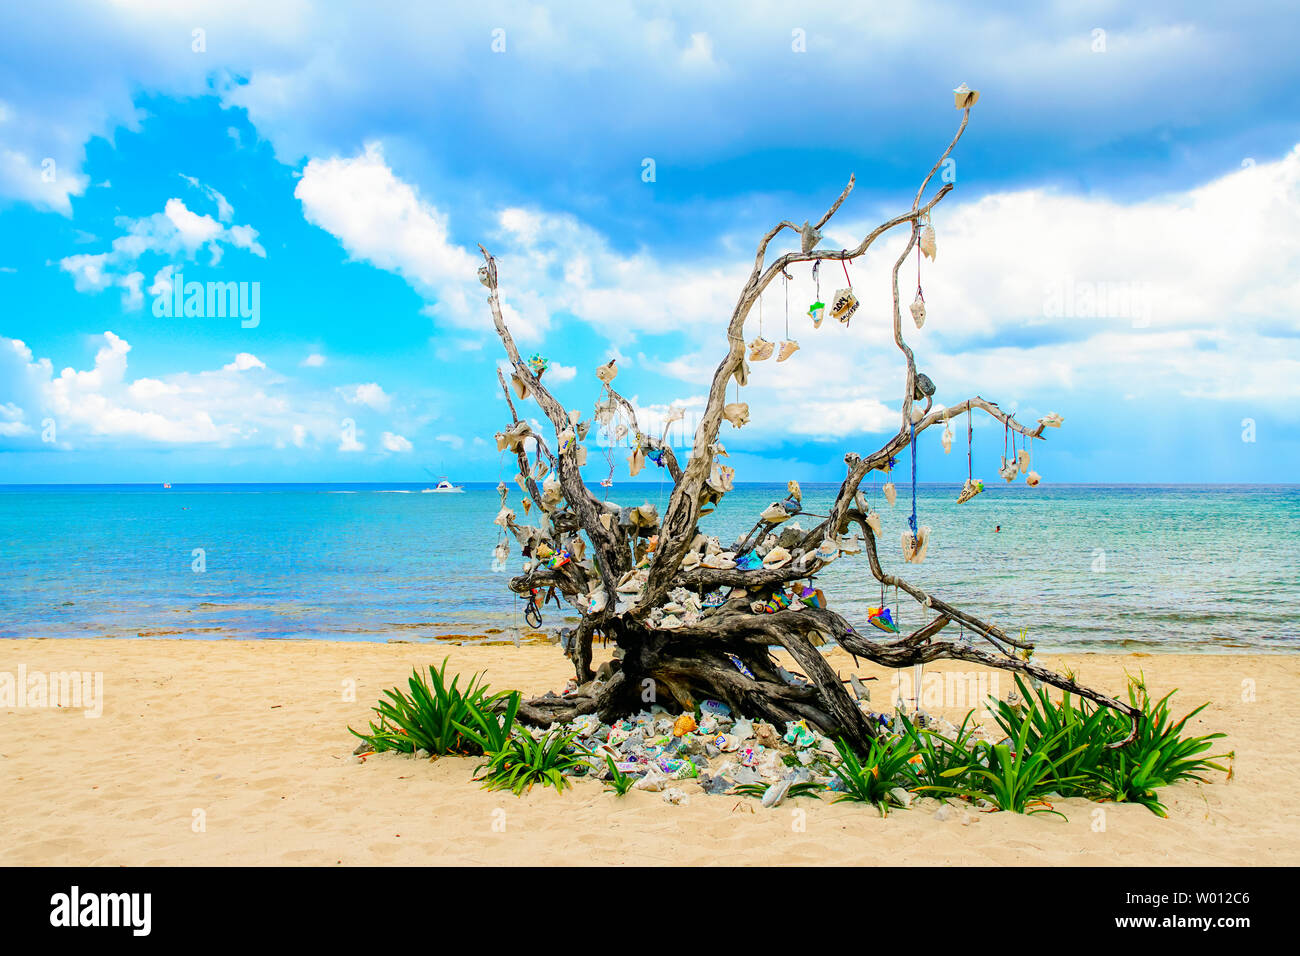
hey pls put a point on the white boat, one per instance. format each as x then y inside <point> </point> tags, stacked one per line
<point>443,487</point>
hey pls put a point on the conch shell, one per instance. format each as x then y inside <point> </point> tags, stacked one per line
<point>774,513</point>
<point>607,372</point>
<point>778,557</point>
<point>1009,469</point>
<point>844,305</point>
<point>720,479</point>
<point>1022,459</point>
<point>946,438</point>
<point>873,522</point>
<point>737,413</point>
<point>760,349</point>
<point>636,461</point>
<point>1032,479</point>
<point>1052,420</point>
<point>891,493</point>
<point>788,348</point>
<point>914,548</point>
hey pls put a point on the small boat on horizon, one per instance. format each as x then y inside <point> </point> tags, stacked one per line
<point>444,486</point>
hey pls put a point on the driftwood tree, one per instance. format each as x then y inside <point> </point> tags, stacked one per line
<point>626,564</point>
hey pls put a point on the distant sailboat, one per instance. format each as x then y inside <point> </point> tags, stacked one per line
<point>167,484</point>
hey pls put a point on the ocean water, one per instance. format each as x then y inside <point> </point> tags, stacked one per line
<point>1178,568</point>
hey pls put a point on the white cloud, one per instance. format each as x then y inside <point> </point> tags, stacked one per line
<point>395,443</point>
<point>243,362</point>
<point>455,441</point>
<point>314,360</point>
<point>176,232</point>
<point>369,394</point>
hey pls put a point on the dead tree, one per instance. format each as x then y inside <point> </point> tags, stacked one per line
<point>582,550</point>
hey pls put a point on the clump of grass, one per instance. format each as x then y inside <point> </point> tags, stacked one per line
<point>526,760</point>
<point>619,782</point>
<point>874,778</point>
<point>803,788</point>
<point>442,718</point>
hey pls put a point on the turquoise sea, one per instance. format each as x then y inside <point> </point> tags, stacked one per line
<point>1112,567</point>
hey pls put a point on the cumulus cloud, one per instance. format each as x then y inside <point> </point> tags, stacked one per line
<point>395,443</point>
<point>177,232</point>
<point>369,394</point>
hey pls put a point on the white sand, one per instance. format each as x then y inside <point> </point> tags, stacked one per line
<point>252,735</point>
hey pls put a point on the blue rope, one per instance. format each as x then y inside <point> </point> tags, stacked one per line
<point>912,520</point>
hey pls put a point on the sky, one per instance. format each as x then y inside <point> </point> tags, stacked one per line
<point>1121,245</point>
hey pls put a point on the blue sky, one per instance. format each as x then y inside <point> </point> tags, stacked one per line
<point>347,160</point>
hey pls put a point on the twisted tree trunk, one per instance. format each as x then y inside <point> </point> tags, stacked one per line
<point>727,653</point>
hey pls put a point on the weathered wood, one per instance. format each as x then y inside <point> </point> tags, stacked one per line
<point>728,654</point>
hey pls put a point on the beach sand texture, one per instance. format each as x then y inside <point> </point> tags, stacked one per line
<point>253,735</point>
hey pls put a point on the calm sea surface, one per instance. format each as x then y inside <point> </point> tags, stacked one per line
<point>1082,567</point>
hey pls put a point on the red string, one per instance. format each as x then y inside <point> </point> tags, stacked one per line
<point>845,264</point>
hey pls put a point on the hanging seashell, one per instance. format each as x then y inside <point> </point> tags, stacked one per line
<point>527,504</point>
<point>737,413</point>
<point>596,601</point>
<point>778,557</point>
<point>927,241</point>
<point>909,546</point>
<point>608,372</point>
<point>851,545</point>
<point>568,438</point>
<point>817,312</point>
<point>890,492</point>
<point>969,490</point>
<point>1032,479</point>
<point>1022,459</point>
<point>500,555</point>
<point>551,491</point>
<point>964,97</point>
<point>1052,420</point>
<point>504,517</point>
<point>720,478</point>
<point>1009,469</point>
<point>946,438</point>
<point>760,349</point>
<point>843,305</point>
<point>828,550</point>
<point>795,491</point>
<point>520,386</point>
<point>915,547</point>
<point>636,461</point>
<point>918,413</point>
<point>918,310</point>
<point>581,455</point>
<point>873,522</point>
<point>788,348</point>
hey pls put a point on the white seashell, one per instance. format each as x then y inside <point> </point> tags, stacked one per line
<point>607,372</point>
<point>760,349</point>
<point>873,522</point>
<point>775,513</point>
<point>918,310</point>
<point>1022,460</point>
<point>1052,420</point>
<point>1032,479</point>
<point>737,413</point>
<point>788,348</point>
<point>946,438</point>
<point>914,548</point>
<point>778,557</point>
<point>918,413</point>
<point>1009,469</point>
<point>927,241</point>
<point>890,492</point>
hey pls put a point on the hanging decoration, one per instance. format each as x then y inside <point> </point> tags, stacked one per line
<point>927,239</point>
<point>845,302</point>
<point>964,97</point>
<point>1009,468</point>
<point>973,485</point>
<point>817,310</point>
<point>788,346</point>
<point>538,363</point>
<point>916,541</point>
<point>760,349</point>
<point>608,372</point>
<point>918,304</point>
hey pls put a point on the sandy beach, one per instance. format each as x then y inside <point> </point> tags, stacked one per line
<point>238,753</point>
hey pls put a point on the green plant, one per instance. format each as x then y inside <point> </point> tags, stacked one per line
<point>439,717</point>
<point>874,779</point>
<point>1158,756</point>
<point>804,788</point>
<point>525,760</point>
<point>1073,739</point>
<point>619,782</point>
<point>945,762</point>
